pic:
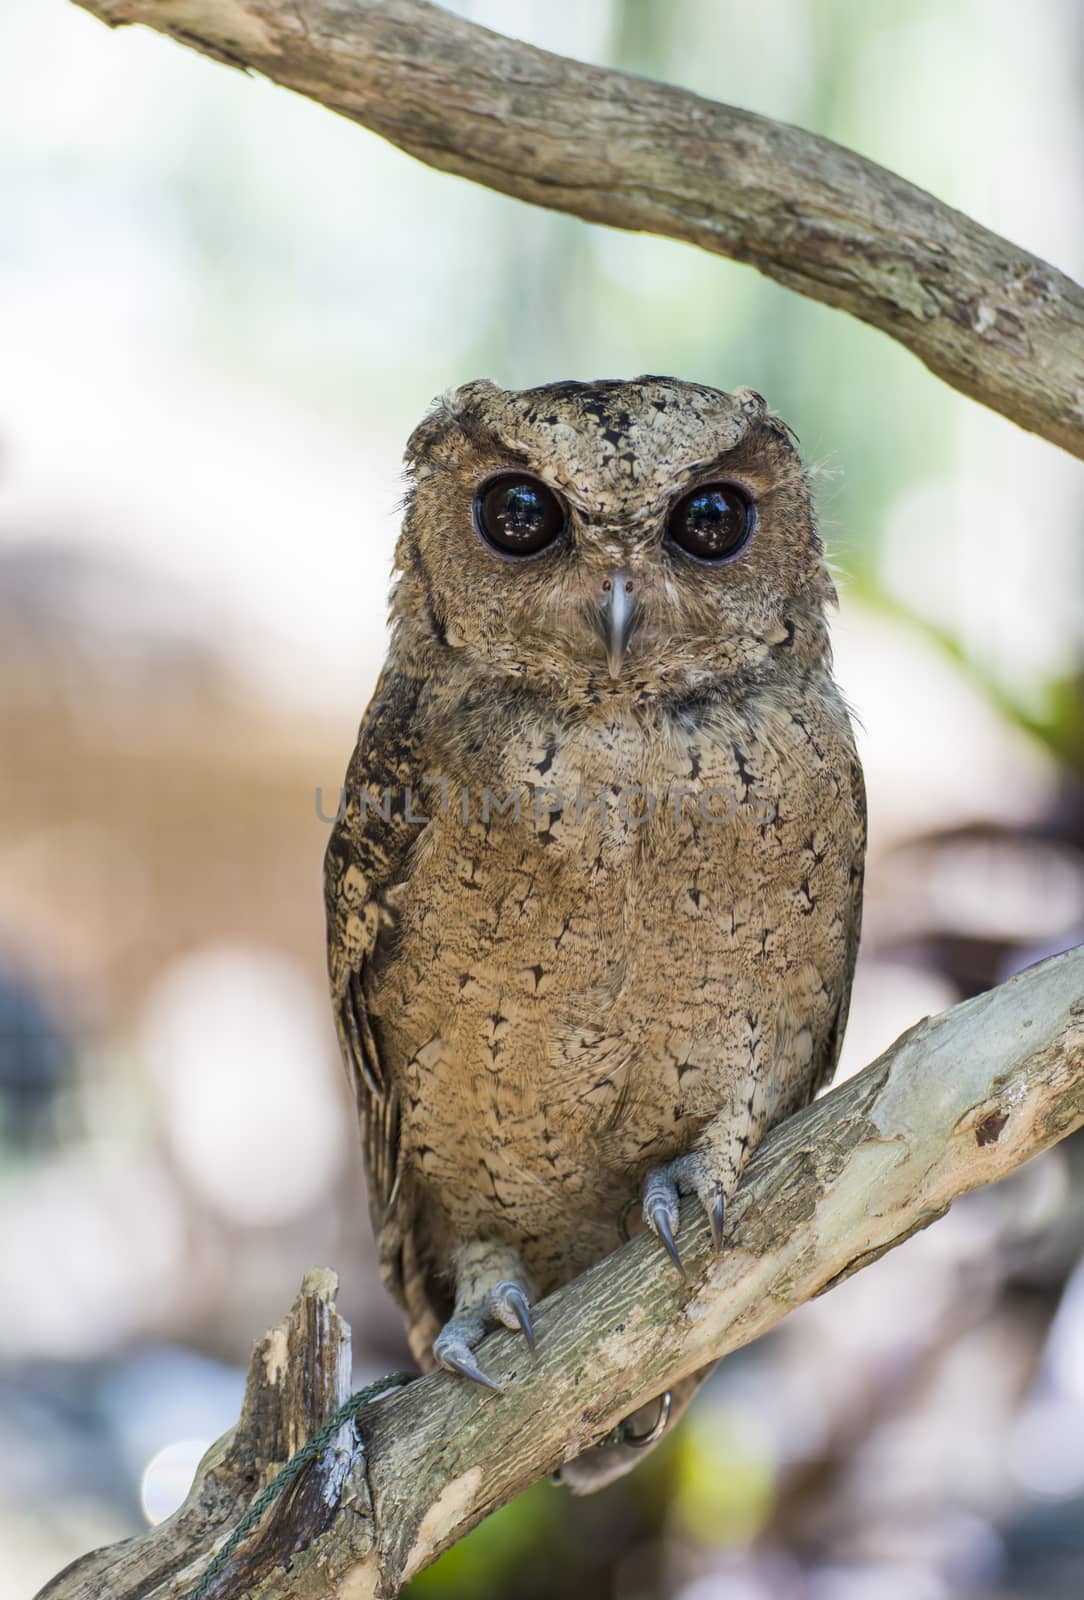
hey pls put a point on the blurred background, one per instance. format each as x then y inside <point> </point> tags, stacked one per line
<point>221,311</point>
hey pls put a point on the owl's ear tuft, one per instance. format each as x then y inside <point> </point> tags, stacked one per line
<point>752,406</point>
<point>449,412</point>
<point>461,400</point>
<point>781,429</point>
<point>426,437</point>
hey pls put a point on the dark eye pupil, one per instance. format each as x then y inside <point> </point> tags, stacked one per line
<point>712,522</point>
<point>519,515</point>
<point>522,511</point>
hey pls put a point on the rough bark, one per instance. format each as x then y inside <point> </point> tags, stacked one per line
<point>989,318</point>
<point>959,1101</point>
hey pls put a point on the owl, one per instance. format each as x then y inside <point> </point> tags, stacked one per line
<point>594,891</point>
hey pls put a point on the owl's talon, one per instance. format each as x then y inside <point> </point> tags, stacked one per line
<point>468,1370</point>
<point>661,1211</point>
<point>455,1356</point>
<point>691,1175</point>
<point>492,1291</point>
<point>510,1306</point>
<point>661,1214</point>
<point>659,1222</point>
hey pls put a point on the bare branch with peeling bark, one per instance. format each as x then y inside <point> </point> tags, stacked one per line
<point>961,1100</point>
<point>989,318</point>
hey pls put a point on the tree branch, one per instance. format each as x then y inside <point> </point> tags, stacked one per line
<point>959,1101</point>
<point>994,321</point>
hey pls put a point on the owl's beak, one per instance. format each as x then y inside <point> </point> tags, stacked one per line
<point>617,611</point>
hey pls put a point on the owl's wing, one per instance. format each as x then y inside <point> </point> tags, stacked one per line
<point>825,1067</point>
<point>367,857</point>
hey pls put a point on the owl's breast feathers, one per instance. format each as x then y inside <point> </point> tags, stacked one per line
<point>539,1001</point>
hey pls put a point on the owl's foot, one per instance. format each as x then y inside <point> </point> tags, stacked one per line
<point>662,1191</point>
<point>491,1293</point>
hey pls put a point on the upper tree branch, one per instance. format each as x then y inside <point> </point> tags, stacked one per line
<point>959,1101</point>
<point>987,317</point>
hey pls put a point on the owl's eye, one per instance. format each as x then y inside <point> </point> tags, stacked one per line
<point>519,515</point>
<point>713,522</point>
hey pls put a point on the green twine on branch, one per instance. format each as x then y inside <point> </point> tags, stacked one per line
<point>297,1463</point>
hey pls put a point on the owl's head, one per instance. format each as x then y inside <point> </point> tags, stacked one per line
<point>610,540</point>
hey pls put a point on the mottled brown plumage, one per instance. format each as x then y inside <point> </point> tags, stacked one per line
<point>551,1016</point>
